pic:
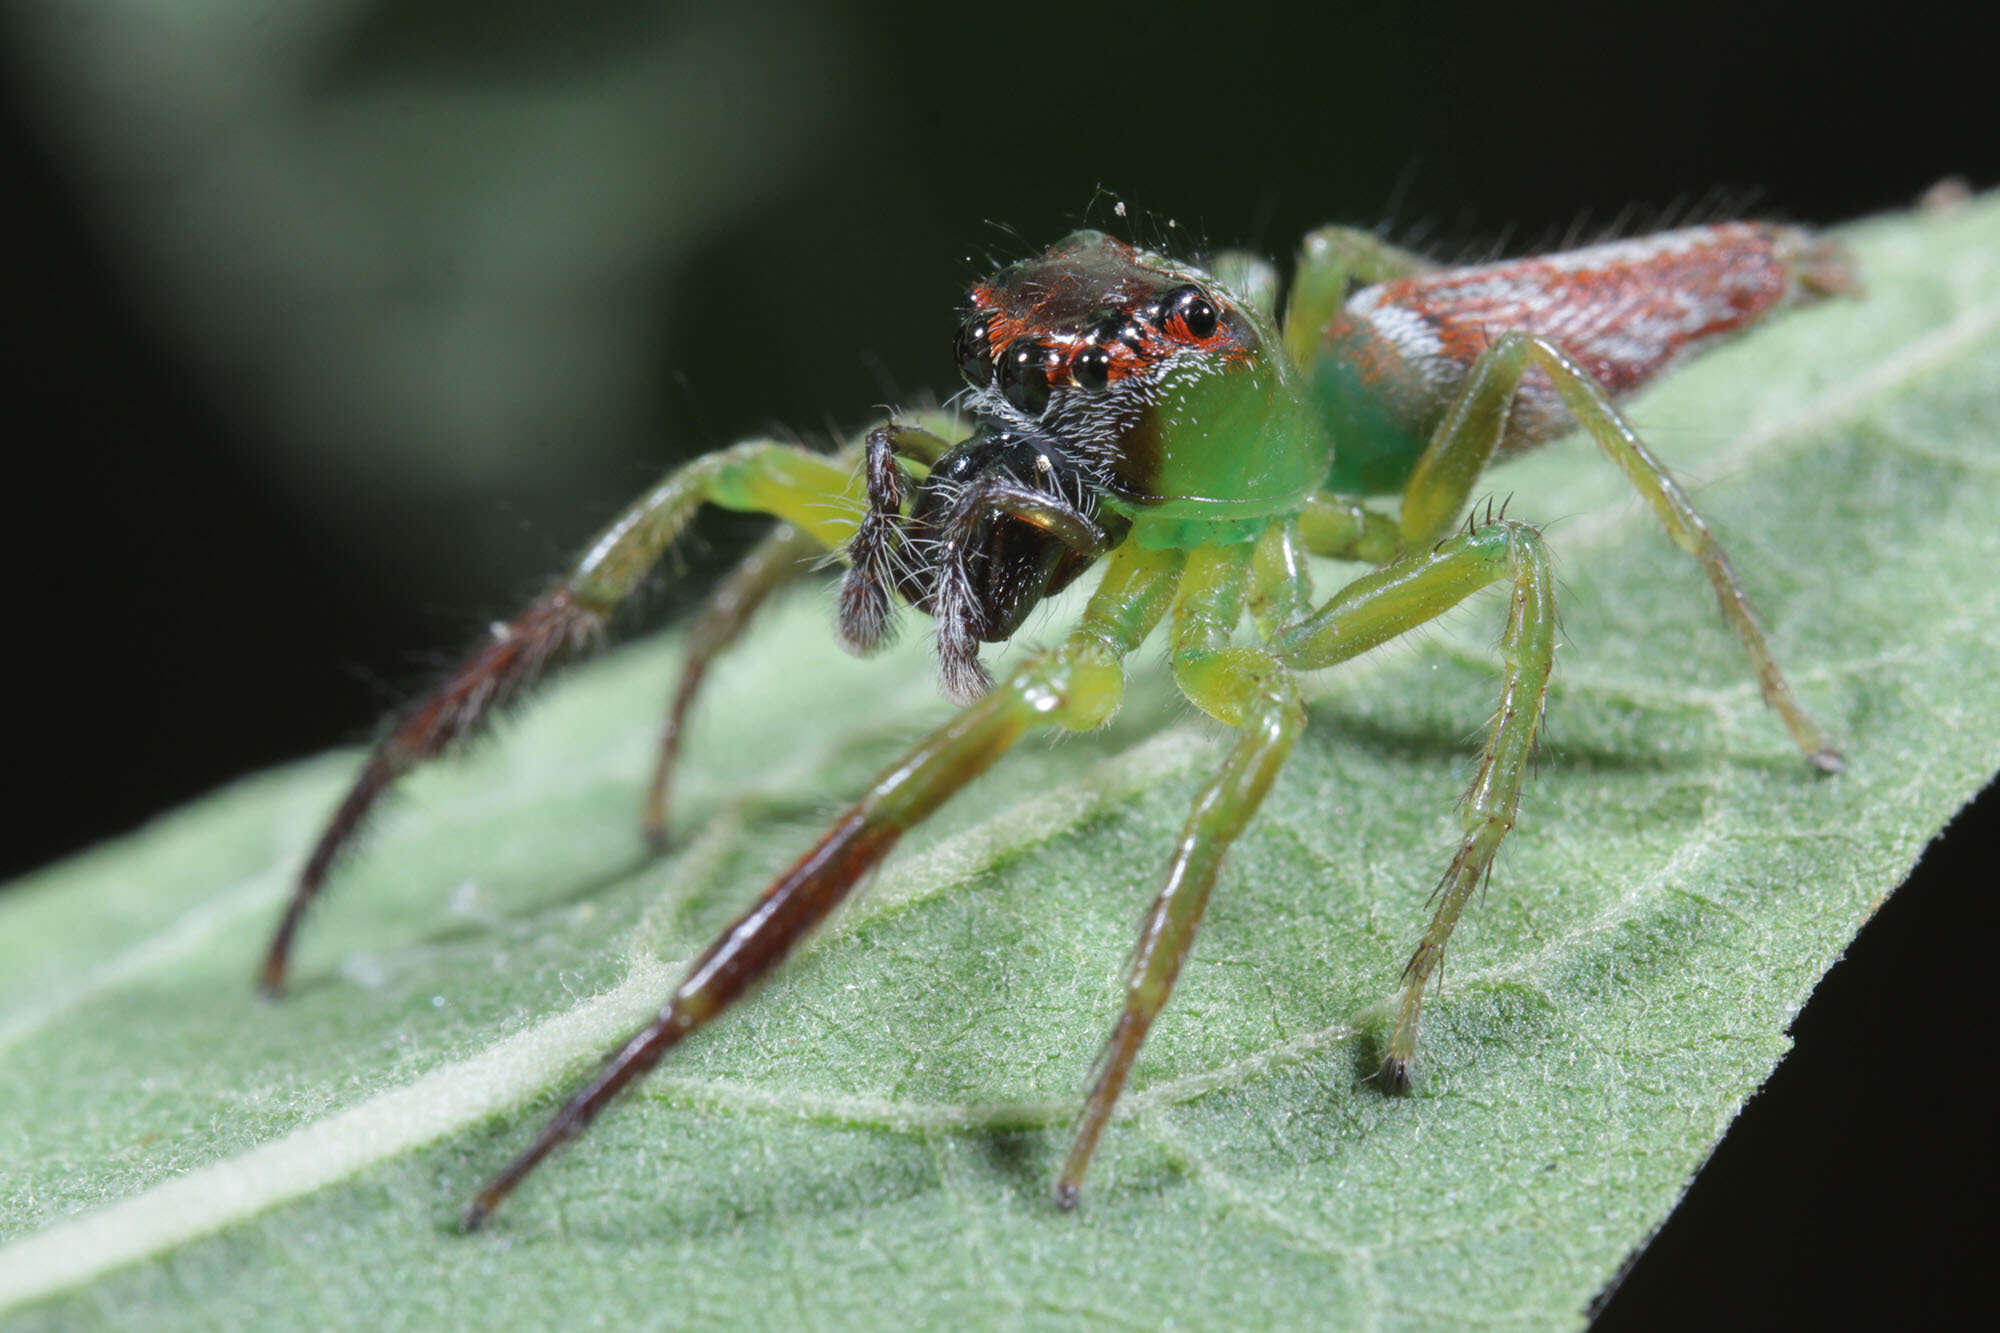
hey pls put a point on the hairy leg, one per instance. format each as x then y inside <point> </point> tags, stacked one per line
<point>774,562</point>
<point>866,619</point>
<point>815,494</point>
<point>1464,443</point>
<point>1392,601</point>
<point>1250,689</point>
<point>1333,263</point>
<point>780,557</point>
<point>1077,686</point>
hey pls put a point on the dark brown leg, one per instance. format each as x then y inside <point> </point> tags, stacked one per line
<point>815,494</point>
<point>1077,686</point>
<point>554,623</point>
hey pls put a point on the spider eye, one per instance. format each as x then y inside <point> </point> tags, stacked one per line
<point>1024,376</point>
<point>1092,368</point>
<point>974,347</point>
<point>1191,306</point>
<point>1113,327</point>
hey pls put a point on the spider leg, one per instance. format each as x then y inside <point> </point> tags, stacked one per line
<point>866,618</point>
<point>775,561</point>
<point>815,494</point>
<point>1465,441</point>
<point>780,557</point>
<point>1250,689</point>
<point>1391,601</point>
<point>1078,686</point>
<point>1280,583</point>
<point>1333,263</point>
<point>1346,529</point>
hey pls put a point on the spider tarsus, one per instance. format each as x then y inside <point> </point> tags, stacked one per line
<point>654,831</point>
<point>517,652</point>
<point>1828,760</point>
<point>1067,1194</point>
<point>653,815</point>
<point>1395,1076</point>
<point>476,1214</point>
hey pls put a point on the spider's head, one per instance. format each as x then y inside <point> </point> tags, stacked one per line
<point>1109,384</point>
<point>1096,344</point>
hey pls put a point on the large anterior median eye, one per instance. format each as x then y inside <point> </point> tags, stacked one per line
<point>1187,312</point>
<point>974,346</point>
<point>1024,375</point>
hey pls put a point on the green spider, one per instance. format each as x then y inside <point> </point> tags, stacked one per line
<point>1180,425</point>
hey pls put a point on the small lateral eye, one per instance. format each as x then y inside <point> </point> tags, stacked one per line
<point>974,347</point>
<point>1191,306</point>
<point>1092,368</point>
<point>1024,376</point>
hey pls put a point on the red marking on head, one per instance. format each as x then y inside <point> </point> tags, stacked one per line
<point>1095,291</point>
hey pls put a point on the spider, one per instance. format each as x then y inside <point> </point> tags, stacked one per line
<point>1201,440</point>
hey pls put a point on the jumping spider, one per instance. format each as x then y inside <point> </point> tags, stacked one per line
<point>1166,420</point>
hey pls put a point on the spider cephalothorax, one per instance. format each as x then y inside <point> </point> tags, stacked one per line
<point>1068,357</point>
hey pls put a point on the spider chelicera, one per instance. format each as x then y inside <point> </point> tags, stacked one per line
<point>1201,440</point>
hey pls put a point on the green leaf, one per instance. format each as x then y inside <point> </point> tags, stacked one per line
<point>874,1135</point>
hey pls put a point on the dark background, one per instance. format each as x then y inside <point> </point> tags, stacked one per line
<point>236,539</point>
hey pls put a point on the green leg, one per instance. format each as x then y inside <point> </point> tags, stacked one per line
<point>775,561</point>
<point>1253,279</point>
<point>1464,444</point>
<point>1346,529</point>
<point>816,495</point>
<point>1335,262</point>
<point>1250,689</point>
<point>1280,582</point>
<point>1388,602</point>
<point>1077,686</point>
<point>922,436</point>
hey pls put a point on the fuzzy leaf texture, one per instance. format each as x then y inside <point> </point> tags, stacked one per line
<point>872,1137</point>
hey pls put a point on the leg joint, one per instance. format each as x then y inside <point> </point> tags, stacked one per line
<point>1239,685</point>
<point>1078,686</point>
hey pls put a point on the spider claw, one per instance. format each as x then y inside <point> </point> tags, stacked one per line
<point>1394,1076</point>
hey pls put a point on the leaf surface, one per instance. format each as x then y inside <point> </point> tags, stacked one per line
<point>873,1136</point>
